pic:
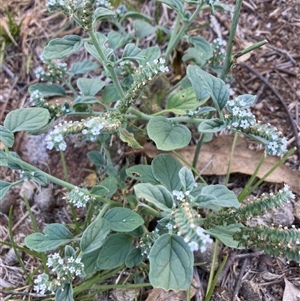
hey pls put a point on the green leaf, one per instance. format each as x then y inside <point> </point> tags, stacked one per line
<point>136,15</point>
<point>142,173</point>
<point>129,138</point>
<point>246,99</point>
<point>171,263</point>
<point>48,89</point>
<point>26,119</point>
<point>83,67</point>
<point>6,136</point>
<point>110,94</point>
<point>3,158</point>
<point>89,260</point>
<point>165,169</point>
<point>123,219</point>
<point>187,179</point>
<point>102,13</point>
<point>167,135</point>
<point>150,54</point>
<point>101,40</point>
<point>4,187</point>
<point>175,4</point>
<point>157,195</point>
<point>132,52</point>
<point>90,86</point>
<point>114,251</point>
<point>106,188</point>
<point>134,258</point>
<point>211,126</point>
<point>217,195</point>
<point>65,293</point>
<point>39,178</point>
<point>69,252</point>
<point>95,157</point>
<point>206,84</point>
<point>55,235</point>
<point>81,100</point>
<point>143,29</point>
<point>61,47</point>
<point>203,46</point>
<point>117,39</point>
<point>182,101</point>
<point>194,54</point>
<point>94,235</point>
<point>225,234</point>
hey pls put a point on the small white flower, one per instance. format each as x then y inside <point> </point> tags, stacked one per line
<point>193,246</point>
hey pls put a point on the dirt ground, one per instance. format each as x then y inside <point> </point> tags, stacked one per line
<point>272,73</point>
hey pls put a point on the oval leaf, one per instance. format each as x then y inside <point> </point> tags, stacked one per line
<point>6,136</point>
<point>26,119</point>
<point>83,67</point>
<point>90,86</point>
<point>224,196</point>
<point>211,126</point>
<point>65,293</point>
<point>166,135</point>
<point>55,235</point>
<point>157,195</point>
<point>123,219</point>
<point>4,187</point>
<point>142,173</point>
<point>48,89</point>
<point>182,101</point>
<point>171,263</point>
<point>114,251</point>
<point>61,47</point>
<point>205,83</point>
<point>94,235</point>
<point>165,169</point>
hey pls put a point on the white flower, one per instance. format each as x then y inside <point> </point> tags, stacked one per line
<point>193,246</point>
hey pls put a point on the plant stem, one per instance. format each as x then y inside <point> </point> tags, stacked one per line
<point>245,190</point>
<point>197,151</point>
<point>230,159</point>
<point>249,49</point>
<point>234,24</point>
<point>177,35</point>
<point>64,165</point>
<point>213,283</point>
<point>106,64</point>
<point>214,258</point>
<point>281,161</point>
<point>11,236</point>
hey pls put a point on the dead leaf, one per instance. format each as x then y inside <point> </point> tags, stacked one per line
<point>214,158</point>
<point>90,180</point>
<point>159,294</point>
<point>291,292</point>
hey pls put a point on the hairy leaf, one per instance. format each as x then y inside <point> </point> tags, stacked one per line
<point>171,263</point>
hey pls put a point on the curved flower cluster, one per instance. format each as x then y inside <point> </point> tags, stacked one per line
<point>66,270</point>
<point>78,197</point>
<point>67,6</point>
<point>55,110</point>
<point>270,137</point>
<point>55,72</point>
<point>90,128</point>
<point>93,128</point>
<point>103,3</point>
<point>146,242</point>
<point>239,117</point>
<point>218,58</point>
<point>185,224</point>
<point>141,77</point>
